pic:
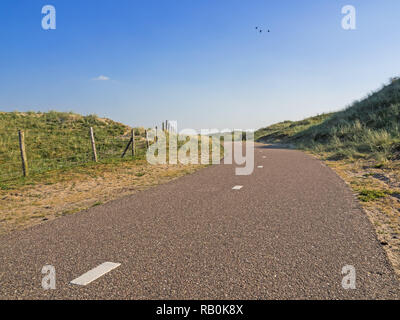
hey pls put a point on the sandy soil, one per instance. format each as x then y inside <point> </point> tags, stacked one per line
<point>31,205</point>
<point>384,211</point>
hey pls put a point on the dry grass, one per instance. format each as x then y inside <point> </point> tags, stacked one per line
<point>62,178</point>
<point>71,191</point>
<point>377,185</point>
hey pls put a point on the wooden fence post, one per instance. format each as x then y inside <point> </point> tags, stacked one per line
<point>133,142</point>
<point>147,141</point>
<point>23,152</point>
<point>127,147</point>
<point>93,144</point>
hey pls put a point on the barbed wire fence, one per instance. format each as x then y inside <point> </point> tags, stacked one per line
<point>29,152</point>
<point>33,151</point>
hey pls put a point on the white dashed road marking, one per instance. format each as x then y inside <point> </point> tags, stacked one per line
<point>95,273</point>
<point>237,187</point>
<point>260,167</point>
<point>264,157</point>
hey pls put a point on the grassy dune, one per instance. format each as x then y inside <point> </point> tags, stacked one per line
<point>63,178</point>
<point>368,128</point>
<point>362,144</point>
<point>285,132</point>
<point>59,141</point>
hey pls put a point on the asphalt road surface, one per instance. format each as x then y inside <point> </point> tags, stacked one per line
<point>285,234</point>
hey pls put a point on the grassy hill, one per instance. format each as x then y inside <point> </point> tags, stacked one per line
<point>368,128</point>
<point>284,131</point>
<point>63,178</point>
<point>58,140</point>
<point>362,145</point>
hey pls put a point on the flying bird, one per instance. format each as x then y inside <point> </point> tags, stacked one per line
<point>261,30</point>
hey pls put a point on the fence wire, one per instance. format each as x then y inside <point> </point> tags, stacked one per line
<point>59,149</point>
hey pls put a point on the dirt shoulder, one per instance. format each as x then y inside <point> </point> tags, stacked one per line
<point>75,190</point>
<point>377,186</point>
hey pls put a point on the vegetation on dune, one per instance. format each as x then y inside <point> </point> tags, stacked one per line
<point>362,144</point>
<point>369,128</point>
<point>285,131</point>
<point>59,140</point>
<point>58,144</point>
<point>63,178</point>
<point>366,195</point>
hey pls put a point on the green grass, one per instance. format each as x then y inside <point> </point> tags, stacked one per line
<point>58,141</point>
<point>140,174</point>
<point>58,146</point>
<point>367,195</point>
<point>285,131</point>
<point>97,203</point>
<point>368,128</point>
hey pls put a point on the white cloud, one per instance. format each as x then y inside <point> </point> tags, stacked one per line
<point>101,78</point>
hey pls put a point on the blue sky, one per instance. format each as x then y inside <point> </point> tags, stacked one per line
<point>200,62</point>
